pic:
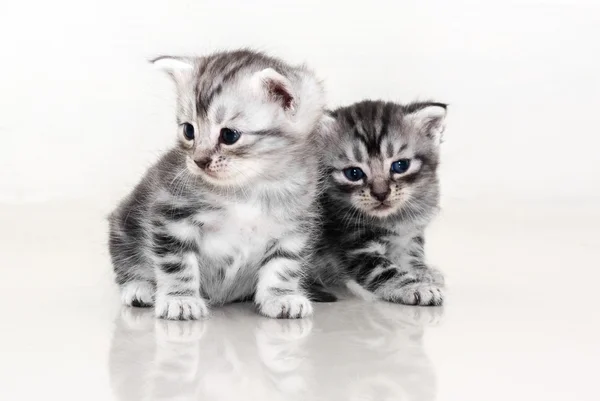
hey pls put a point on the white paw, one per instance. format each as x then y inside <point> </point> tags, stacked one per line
<point>286,306</point>
<point>138,293</point>
<point>423,294</point>
<point>180,308</point>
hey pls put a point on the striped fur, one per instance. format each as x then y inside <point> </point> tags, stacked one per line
<point>211,222</point>
<point>375,246</point>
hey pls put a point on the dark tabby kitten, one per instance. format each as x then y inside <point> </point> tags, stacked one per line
<point>382,190</point>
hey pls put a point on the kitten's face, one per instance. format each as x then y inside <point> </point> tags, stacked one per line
<point>382,158</point>
<point>239,139</point>
<point>240,121</point>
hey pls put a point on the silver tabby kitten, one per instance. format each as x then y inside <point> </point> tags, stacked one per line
<point>230,213</point>
<point>382,190</point>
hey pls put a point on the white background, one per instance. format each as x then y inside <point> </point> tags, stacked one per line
<point>82,114</point>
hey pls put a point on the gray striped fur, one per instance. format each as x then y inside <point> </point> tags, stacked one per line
<point>212,223</point>
<point>377,250</point>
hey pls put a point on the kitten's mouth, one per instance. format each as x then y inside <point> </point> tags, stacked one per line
<point>383,206</point>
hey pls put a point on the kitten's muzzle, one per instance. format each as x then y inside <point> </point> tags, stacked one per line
<point>380,194</point>
<point>203,162</point>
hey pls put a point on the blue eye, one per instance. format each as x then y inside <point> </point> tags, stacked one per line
<point>229,136</point>
<point>188,131</point>
<point>401,166</point>
<point>353,173</point>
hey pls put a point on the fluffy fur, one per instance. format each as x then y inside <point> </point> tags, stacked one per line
<point>373,234</point>
<point>213,222</point>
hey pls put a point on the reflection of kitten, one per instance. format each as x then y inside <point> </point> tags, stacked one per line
<point>230,212</point>
<point>353,350</point>
<point>233,355</point>
<point>372,351</point>
<point>381,192</point>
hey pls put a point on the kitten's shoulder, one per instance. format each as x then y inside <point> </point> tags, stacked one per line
<point>156,177</point>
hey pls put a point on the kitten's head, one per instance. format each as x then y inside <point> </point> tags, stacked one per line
<point>243,116</point>
<point>382,158</point>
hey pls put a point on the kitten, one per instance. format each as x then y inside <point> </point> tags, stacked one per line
<point>230,213</point>
<point>381,192</point>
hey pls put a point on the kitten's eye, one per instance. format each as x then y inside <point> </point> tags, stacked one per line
<point>188,131</point>
<point>229,136</point>
<point>401,166</point>
<point>353,173</point>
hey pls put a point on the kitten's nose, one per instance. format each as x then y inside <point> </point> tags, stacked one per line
<point>380,194</point>
<point>203,162</point>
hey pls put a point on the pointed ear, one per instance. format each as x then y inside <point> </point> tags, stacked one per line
<point>181,69</point>
<point>326,127</point>
<point>430,120</point>
<point>275,87</point>
<point>327,124</point>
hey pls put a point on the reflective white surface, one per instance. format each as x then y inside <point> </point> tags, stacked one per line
<point>521,321</point>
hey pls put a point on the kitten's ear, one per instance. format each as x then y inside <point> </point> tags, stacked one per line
<point>326,127</point>
<point>181,69</point>
<point>430,119</point>
<point>275,87</point>
<point>327,124</point>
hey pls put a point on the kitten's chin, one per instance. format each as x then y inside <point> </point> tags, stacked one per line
<point>381,211</point>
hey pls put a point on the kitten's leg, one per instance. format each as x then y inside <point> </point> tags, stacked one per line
<point>408,282</point>
<point>134,276</point>
<point>278,291</point>
<point>177,278</point>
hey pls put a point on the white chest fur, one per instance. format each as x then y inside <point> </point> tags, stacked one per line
<point>240,231</point>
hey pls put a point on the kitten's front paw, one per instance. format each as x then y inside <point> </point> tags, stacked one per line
<point>138,293</point>
<point>293,306</point>
<point>181,308</point>
<point>423,294</point>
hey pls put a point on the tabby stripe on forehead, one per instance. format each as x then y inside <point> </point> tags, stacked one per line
<point>386,117</point>
<point>349,120</point>
<point>359,124</point>
<point>357,153</point>
<point>218,67</point>
<point>235,69</point>
<point>389,149</point>
<point>203,92</point>
<point>214,91</point>
<point>364,140</point>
